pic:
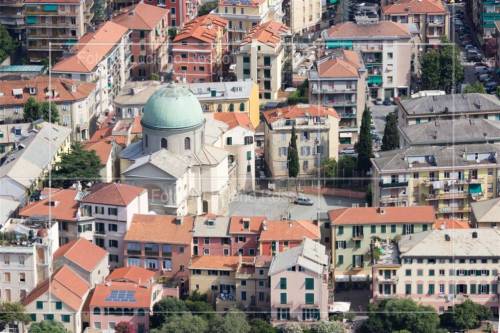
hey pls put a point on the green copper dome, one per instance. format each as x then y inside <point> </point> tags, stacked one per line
<point>172,107</point>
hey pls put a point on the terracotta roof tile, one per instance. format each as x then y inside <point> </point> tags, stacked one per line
<point>268,33</point>
<point>380,29</point>
<point>102,148</point>
<point>160,229</point>
<point>229,263</point>
<point>234,119</point>
<point>289,230</point>
<point>373,215</point>
<point>63,88</point>
<point>345,66</point>
<point>415,7</point>
<point>142,296</point>
<point>141,17</point>
<point>82,253</point>
<point>113,194</point>
<point>202,28</point>
<point>138,275</point>
<point>64,207</point>
<point>254,226</point>
<point>451,224</point>
<point>299,110</point>
<point>92,49</point>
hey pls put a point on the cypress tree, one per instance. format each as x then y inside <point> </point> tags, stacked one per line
<point>364,145</point>
<point>293,156</point>
<point>390,140</point>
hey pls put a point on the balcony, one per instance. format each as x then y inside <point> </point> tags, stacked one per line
<point>394,199</point>
<point>434,23</point>
<point>134,252</point>
<point>461,209</point>
<point>375,80</point>
<point>393,184</point>
<point>358,236</point>
<point>446,196</point>
<point>348,115</point>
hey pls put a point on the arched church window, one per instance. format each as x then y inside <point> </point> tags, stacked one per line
<point>164,143</point>
<point>187,143</point>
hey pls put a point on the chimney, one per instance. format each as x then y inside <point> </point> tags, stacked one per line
<point>380,210</point>
<point>264,225</point>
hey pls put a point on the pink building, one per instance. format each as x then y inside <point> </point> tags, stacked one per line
<point>299,283</point>
<point>245,232</point>
<point>210,236</point>
<point>198,49</point>
<point>128,295</point>
<point>181,11</point>
<point>278,236</point>
<point>149,26</point>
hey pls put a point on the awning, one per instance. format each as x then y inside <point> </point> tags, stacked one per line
<point>475,189</point>
<point>332,2</point>
<point>337,307</point>
<point>341,278</point>
<point>339,44</point>
<point>50,8</point>
<point>345,135</point>
<point>359,277</point>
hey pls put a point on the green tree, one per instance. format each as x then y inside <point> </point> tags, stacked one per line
<point>261,326</point>
<point>390,140</point>
<point>207,7</point>
<point>465,316</point>
<point>400,314</point>
<point>200,308</point>
<point>476,87</point>
<point>291,327</point>
<point>328,327</point>
<point>76,165</point>
<point>364,145</point>
<point>11,314</point>
<point>99,10</point>
<point>165,309</point>
<point>234,321</point>
<point>34,110</point>
<point>47,326</point>
<point>301,95</point>
<point>49,112</point>
<point>186,323</point>
<point>7,43</point>
<point>345,170</point>
<point>293,156</point>
<point>430,70</point>
<point>329,171</point>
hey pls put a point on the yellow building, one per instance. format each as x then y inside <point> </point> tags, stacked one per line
<point>238,96</point>
<point>448,178</point>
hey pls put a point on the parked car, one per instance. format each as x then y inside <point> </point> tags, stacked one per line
<point>491,86</point>
<point>484,77</point>
<point>387,101</point>
<point>378,101</point>
<point>348,151</point>
<point>304,201</point>
<point>481,70</point>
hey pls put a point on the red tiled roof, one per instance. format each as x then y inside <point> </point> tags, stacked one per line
<point>62,87</point>
<point>138,275</point>
<point>113,194</point>
<point>227,263</point>
<point>203,28</point>
<point>236,224</point>
<point>82,253</point>
<point>141,295</point>
<point>451,224</point>
<point>345,66</point>
<point>65,285</point>
<point>299,110</point>
<point>142,17</point>
<point>380,29</point>
<point>234,119</point>
<point>102,149</point>
<point>160,229</point>
<point>289,230</point>
<point>415,7</point>
<point>268,33</point>
<point>64,207</point>
<point>373,215</point>
<point>92,49</point>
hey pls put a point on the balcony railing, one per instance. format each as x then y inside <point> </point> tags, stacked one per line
<point>403,183</point>
<point>358,236</point>
<point>133,252</point>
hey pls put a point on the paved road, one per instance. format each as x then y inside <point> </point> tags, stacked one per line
<point>276,207</point>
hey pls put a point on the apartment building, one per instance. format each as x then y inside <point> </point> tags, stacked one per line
<point>339,81</point>
<point>149,37</point>
<point>243,16</point>
<point>210,236</point>
<point>123,298</point>
<point>484,14</point>
<point>352,252</point>
<point>102,57</point>
<point>279,236</point>
<point>245,234</point>
<point>198,49</point>
<point>105,149</point>
<point>130,101</point>
<point>12,18</point>
<point>446,177</point>
<point>261,57</point>
<point>431,18</point>
<point>317,130</point>
<point>388,49</point>
<point>75,101</point>
<point>302,15</point>
<point>231,281</point>
<point>440,268</point>
<point>485,214</point>
<point>160,243</point>
<point>60,298</point>
<point>180,11</point>
<point>454,106</point>
<point>112,206</point>
<point>299,283</point>
<point>53,26</point>
<point>238,141</point>
<point>10,134</point>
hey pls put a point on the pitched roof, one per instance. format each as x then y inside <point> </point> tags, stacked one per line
<point>211,226</point>
<point>203,28</point>
<point>82,253</point>
<point>234,119</point>
<point>161,229</point>
<point>102,148</point>
<point>60,204</point>
<point>268,33</point>
<point>224,91</point>
<point>442,224</point>
<point>137,297</point>
<point>346,65</point>
<point>289,230</point>
<point>92,49</point>
<point>114,194</point>
<point>236,224</point>
<point>134,274</point>
<point>226,263</point>
<point>379,30</point>
<point>486,210</point>
<point>66,90</point>
<point>65,285</point>
<point>415,7</point>
<point>374,215</point>
<point>309,255</point>
<point>299,110</point>
<point>141,17</point>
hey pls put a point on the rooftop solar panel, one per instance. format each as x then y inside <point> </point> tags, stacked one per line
<point>121,296</point>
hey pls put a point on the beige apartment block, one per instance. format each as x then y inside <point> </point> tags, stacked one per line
<point>302,15</point>
<point>12,17</point>
<point>261,58</point>
<point>317,130</point>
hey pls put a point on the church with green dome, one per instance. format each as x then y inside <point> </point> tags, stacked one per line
<point>182,170</point>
